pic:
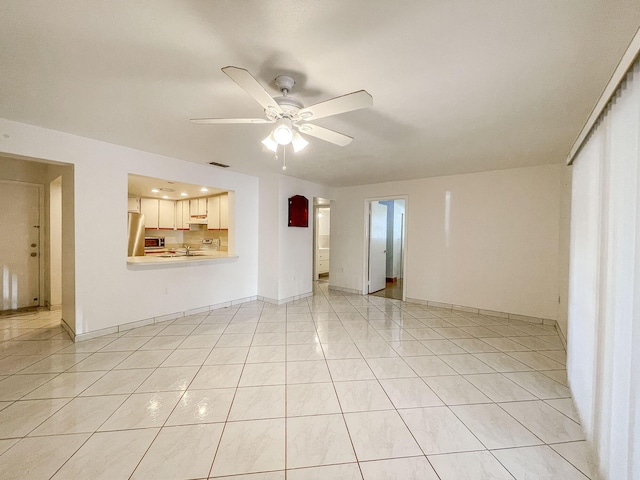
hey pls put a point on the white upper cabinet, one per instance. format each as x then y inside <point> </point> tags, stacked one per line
<point>149,207</point>
<point>133,204</point>
<point>214,213</point>
<point>198,207</point>
<point>182,215</point>
<point>198,210</point>
<point>167,214</point>
<point>218,212</point>
<point>224,211</point>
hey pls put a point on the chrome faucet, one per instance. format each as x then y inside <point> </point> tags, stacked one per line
<point>187,249</point>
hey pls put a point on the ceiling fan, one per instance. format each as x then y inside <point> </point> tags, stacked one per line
<point>289,114</point>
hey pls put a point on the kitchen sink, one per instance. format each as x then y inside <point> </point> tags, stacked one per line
<point>171,255</point>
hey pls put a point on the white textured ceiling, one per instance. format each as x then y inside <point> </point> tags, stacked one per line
<point>458,86</point>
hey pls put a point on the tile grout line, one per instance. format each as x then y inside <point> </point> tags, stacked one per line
<point>385,334</point>
<point>224,427</point>
<point>170,413</point>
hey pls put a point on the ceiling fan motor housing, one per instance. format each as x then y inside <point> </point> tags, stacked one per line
<point>289,105</point>
<point>285,83</point>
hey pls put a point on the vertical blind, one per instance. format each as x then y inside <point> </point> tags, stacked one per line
<point>604,284</point>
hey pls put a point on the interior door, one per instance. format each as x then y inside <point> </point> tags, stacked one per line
<point>377,246</point>
<point>19,246</point>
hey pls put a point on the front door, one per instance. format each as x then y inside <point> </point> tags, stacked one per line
<point>377,247</point>
<point>19,245</point>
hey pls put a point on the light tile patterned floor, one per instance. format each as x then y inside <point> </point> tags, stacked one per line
<point>330,387</point>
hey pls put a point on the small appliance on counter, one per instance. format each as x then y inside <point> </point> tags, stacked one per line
<point>210,244</point>
<point>154,245</point>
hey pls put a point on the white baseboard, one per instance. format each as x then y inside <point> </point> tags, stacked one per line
<point>490,313</point>
<point>282,301</point>
<point>345,290</point>
<point>117,329</point>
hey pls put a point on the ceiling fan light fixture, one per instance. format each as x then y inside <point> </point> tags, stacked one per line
<point>298,142</point>
<point>283,134</point>
<point>270,143</point>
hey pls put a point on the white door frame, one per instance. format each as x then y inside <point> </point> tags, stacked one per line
<point>405,246</point>
<point>41,234</point>
<point>316,229</point>
<point>315,242</point>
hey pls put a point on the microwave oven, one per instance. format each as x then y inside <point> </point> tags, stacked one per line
<point>153,242</point>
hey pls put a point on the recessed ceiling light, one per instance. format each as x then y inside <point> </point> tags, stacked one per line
<point>204,189</point>
<point>165,196</point>
<point>183,194</point>
<point>155,190</point>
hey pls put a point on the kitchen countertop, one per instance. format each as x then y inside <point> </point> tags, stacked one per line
<point>155,259</point>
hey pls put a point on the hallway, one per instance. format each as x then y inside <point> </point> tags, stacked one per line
<point>333,386</point>
<point>391,290</point>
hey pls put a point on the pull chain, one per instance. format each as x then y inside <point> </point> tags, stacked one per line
<point>284,157</point>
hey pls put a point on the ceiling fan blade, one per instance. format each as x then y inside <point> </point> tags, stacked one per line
<point>210,121</point>
<point>249,84</point>
<point>325,134</point>
<point>345,103</point>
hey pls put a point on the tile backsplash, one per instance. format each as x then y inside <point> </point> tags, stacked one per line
<point>193,238</point>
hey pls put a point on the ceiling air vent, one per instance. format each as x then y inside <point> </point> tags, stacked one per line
<point>216,164</point>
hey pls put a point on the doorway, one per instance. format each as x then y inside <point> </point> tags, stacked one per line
<point>20,240</point>
<point>45,238</point>
<point>385,248</point>
<point>321,239</point>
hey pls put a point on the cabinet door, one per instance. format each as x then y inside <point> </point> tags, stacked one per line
<point>133,204</point>
<point>202,206</point>
<point>182,215</point>
<point>198,207</point>
<point>167,214</point>
<point>193,207</point>
<point>323,266</point>
<point>213,216</point>
<point>224,211</point>
<point>149,208</point>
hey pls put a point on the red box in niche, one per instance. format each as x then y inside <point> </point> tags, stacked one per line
<point>298,211</point>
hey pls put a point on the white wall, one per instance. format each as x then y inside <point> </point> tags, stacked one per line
<point>286,253</point>
<point>269,247</point>
<point>604,294</point>
<point>487,240</point>
<point>68,260</point>
<point>398,214</point>
<point>107,291</point>
<point>55,242</point>
<point>324,222</point>
<point>21,171</point>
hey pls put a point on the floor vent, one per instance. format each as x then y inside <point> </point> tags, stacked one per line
<point>216,164</point>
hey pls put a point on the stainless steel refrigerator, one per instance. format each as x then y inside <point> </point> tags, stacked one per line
<point>135,229</point>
